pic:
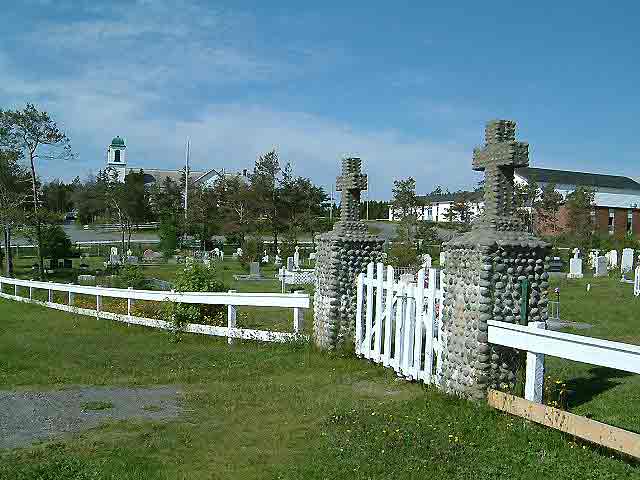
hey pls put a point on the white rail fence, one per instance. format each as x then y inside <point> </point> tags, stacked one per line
<point>397,322</point>
<point>538,342</point>
<point>636,282</point>
<point>297,301</point>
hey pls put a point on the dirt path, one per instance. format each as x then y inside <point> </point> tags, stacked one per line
<point>29,416</point>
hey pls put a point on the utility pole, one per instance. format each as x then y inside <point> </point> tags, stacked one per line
<point>186,179</point>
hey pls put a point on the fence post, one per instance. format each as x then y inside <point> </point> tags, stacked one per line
<point>397,343</point>
<point>377,341</point>
<point>98,305</point>
<point>388,324</point>
<point>15,289</point>
<point>129,303</point>
<point>72,298</point>
<point>535,371</point>
<point>369,310</point>
<point>50,294</point>
<point>297,317</point>
<point>231,319</point>
<point>359,301</point>
<point>420,319</point>
<point>408,332</point>
<point>30,293</point>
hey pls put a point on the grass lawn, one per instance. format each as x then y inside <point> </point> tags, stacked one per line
<point>604,394</point>
<point>265,411</point>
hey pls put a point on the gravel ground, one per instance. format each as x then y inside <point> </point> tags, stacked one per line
<point>29,416</point>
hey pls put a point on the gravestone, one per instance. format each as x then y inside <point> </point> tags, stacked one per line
<point>86,279</point>
<point>576,253</point>
<point>575,268</point>
<point>426,261</point>
<point>278,261</point>
<point>254,269</point>
<point>343,253</point>
<point>613,259</point>
<point>555,265</point>
<point>290,263</point>
<point>601,267</point>
<point>443,259</point>
<point>114,250</point>
<point>133,260</point>
<point>484,272</point>
<point>296,258</point>
<point>627,260</point>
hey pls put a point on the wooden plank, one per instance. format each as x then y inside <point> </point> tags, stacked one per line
<point>388,319</point>
<point>417,372</point>
<point>581,427</point>
<point>407,332</point>
<point>399,315</point>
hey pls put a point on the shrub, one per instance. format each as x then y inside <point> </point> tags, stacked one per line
<point>193,278</point>
<point>403,254</point>
<point>252,250</point>
<point>130,276</point>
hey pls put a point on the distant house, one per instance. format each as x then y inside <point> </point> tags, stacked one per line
<point>435,207</point>
<point>616,202</point>
<point>117,161</point>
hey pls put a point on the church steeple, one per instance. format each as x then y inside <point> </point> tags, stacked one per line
<point>116,157</point>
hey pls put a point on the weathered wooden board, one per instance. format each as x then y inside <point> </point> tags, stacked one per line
<point>581,427</point>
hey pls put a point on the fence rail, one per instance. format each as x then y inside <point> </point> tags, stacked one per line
<point>296,301</point>
<point>539,342</point>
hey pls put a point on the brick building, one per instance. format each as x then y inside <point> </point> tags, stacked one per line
<point>616,203</point>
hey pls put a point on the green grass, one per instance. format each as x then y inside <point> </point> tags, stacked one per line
<point>256,411</point>
<point>607,395</point>
<point>96,406</point>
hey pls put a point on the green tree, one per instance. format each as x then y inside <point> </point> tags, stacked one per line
<point>579,204</point>
<point>14,195</point>
<point>405,200</point>
<point>37,135</point>
<point>55,243</point>
<point>547,208</point>
<point>461,209</point>
<point>265,185</point>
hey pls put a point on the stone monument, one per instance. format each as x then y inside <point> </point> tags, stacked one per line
<point>601,267</point>
<point>626,264</point>
<point>296,258</point>
<point>485,273</point>
<point>343,253</point>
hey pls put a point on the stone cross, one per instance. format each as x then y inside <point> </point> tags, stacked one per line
<point>498,158</point>
<point>350,183</point>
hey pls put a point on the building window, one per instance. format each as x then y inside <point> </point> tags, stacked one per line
<point>629,221</point>
<point>117,157</point>
<point>611,221</point>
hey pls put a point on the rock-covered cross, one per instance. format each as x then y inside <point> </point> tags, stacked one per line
<point>351,183</point>
<point>498,158</point>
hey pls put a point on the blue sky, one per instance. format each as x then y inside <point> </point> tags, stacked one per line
<point>406,85</point>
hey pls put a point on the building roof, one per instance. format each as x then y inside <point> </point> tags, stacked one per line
<point>475,196</point>
<point>582,179</point>
<point>117,142</point>
<point>159,175</point>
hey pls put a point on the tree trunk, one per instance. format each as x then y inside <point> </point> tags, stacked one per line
<point>37,219</point>
<point>7,249</point>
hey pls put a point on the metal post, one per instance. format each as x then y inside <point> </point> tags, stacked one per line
<point>50,294</point>
<point>231,319</point>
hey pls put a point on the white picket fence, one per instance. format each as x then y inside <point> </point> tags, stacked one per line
<point>296,301</point>
<point>636,282</point>
<point>396,322</point>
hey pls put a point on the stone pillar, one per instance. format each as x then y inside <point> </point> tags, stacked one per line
<point>342,254</point>
<point>484,274</point>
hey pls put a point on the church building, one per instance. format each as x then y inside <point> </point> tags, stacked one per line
<point>117,161</point>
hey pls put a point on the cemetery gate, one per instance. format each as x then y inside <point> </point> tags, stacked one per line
<point>397,322</point>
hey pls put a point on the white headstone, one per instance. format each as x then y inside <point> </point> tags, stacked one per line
<point>601,267</point>
<point>278,260</point>
<point>575,268</point>
<point>114,250</point>
<point>443,259</point>
<point>576,253</point>
<point>426,261</point>
<point>627,260</point>
<point>296,258</point>
<point>613,258</point>
<point>239,252</point>
<point>254,268</point>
